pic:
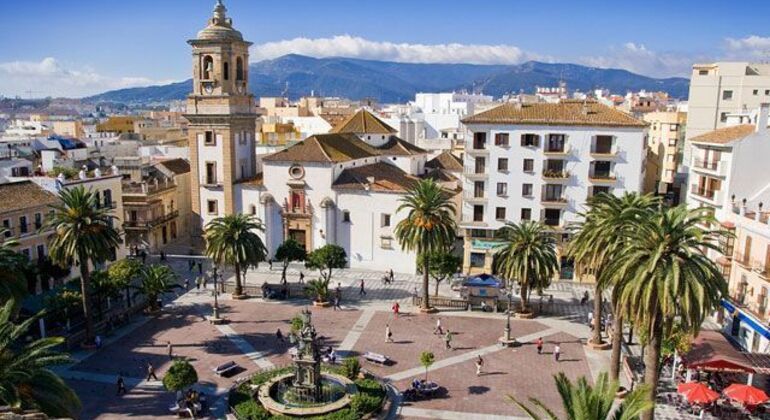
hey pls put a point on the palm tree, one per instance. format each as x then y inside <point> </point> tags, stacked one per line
<point>233,239</point>
<point>596,241</point>
<point>528,254</point>
<point>11,270</point>
<point>82,231</point>
<point>156,280</point>
<point>428,227</point>
<point>661,273</point>
<point>25,379</point>
<point>582,401</point>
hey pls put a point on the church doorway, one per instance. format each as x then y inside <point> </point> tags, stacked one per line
<point>299,236</point>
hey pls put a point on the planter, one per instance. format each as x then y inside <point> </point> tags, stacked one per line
<point>599,346</point>
<point>431,310</point>
<point>525,315</point>
<point>323,304</point>
<point>241,296</point>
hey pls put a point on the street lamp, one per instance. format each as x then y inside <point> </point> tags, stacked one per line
<point>215,319</point>
<point>506,340</point>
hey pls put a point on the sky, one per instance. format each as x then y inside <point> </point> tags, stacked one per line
<point>79,48</point>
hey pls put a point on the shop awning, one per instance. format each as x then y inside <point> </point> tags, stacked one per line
<point>712,352</point>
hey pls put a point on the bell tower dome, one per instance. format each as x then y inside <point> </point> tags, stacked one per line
<point>222,118</point>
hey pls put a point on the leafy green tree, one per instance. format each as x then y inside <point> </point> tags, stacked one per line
<point>582,401</point>
<point>596,241</point>
<point>82,231</point>
<point>443,265</point>
<point>26,382</point>
<point>351,367</point>
<point>123,273</point>
<point>426,360</point>
<point>155,281</point>
<point>103,287</point>
<point>64,302</point>
<point>663,273</point>
<point>290,250</point>
<point>11,271</point>
<point>180,376</point>
<point>325,259</point>
<point>528,255</point>
<point>429,225</point>
<point>233,240</point>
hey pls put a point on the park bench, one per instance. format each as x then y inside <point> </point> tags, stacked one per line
<point>225,368</point>
<point>376,358</point>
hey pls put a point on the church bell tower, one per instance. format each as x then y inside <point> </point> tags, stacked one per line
<point>222,119</point>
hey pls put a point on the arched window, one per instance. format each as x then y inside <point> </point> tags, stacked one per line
<point>207,68</point>
<point>227,70</point>
<point>239,69</point>
<point>253,209</point>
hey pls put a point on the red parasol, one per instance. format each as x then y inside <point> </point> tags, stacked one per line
<point>745,394</point>
<point>697,393</point>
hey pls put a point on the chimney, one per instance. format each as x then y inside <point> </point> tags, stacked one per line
<point>762,116</point>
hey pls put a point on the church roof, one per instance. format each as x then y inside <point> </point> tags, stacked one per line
<point>220,27</point>
<point>377,177</point>
<point>398,147</point>
<point>340,147</point>
<point>363,121</point>
<point>445,160</point>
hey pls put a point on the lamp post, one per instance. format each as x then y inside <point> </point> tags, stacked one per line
<point>506,340</point>
<point>215,319</point>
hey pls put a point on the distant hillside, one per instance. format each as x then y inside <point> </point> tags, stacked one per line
<point>398,82</point>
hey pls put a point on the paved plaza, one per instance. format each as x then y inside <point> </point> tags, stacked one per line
<point>250,340</point>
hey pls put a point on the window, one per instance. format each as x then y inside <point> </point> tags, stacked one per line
<point>500,213</point>
<point>23,228</point>
<point>703,72</point>
<point>477,259</point>
<point>526,214</point>
<point>481,165</point>
<point>479,141</point>
<point>209,138</point>
<point>502,189</point>
<point>478,189</point>
<point>108,198</point>
<point>243,138</point>
<point>212,207</point>
<point>253,209</point>
<point>556,143</point>
<point>478,213</point>
<point>530,140</point>
<point>239,69</point>
<point>211,173</point>
<point>7,228</point>
<point>346,216</point>
<point>723,117</point>
<point>755,92</point>
<point>208,68</point>
<point>38,220</point>
<point>40,252</point>
<point>26,252</point>
<point>672,142</point>
<point>384,220</point>
<point>529,165</point>
<point>526,190</point>
<point>502,164</point>
<point>727,95</point>
<point>386,242</point>
<point>767,92</point>
<point>501,139</point>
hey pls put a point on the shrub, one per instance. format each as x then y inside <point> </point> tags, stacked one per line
<point>351,367</point>
<point>296,324</point>
<point>344,414</point>
<point>251,410</point>
<point>364,403</point>
<point>181,375</point>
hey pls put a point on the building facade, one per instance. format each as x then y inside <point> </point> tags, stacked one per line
<point>665,141</point>
<point>541,162</point>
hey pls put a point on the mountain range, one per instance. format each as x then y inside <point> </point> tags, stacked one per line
<point>387,82</point>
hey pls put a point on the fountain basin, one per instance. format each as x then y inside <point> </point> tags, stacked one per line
<point>267,391</point>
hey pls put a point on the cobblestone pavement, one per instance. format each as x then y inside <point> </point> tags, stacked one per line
<point>249,339</point>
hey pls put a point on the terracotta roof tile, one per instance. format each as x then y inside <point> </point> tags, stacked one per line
<point>446,160</point>
<point>398,147</point>
<point>569,112</point>
<point>725,135</point>
<point>377,177</point>
<point>341,147</point>
<point>24,195</point>
<point>363,121</point>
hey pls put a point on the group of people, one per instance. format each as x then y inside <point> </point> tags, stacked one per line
<point>556,349</point>
<point>191,401</point>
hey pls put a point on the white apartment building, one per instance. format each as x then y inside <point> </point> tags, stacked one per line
<point>542,161</point>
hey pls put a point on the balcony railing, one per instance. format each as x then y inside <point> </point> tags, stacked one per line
<point>703,192</point>
<point>742,259</point>
<point>761,267</point>
<point>706,164</point>
<point>555,174</point>
<point>552,221</point>
<point>150,223</point>
<point>554,149</point>
<point>147,188</point>
<point>602,177</point>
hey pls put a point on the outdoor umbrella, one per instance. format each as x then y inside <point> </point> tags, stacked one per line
<point>745,394</point>
<point>697,393</point>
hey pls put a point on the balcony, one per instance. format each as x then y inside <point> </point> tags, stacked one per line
<point>145,188</point>
<point>556,174</point>
<point>552,223</point>
<point>757,307</point>
<point>742,259</point>
<point>477,152</point>
<point>475,174</point>
<point>146,224</point>
<point>556,150</point>
<point>710,167</point>
<point>553,201</point>
<point>473,199</point>
<point>602,178</point>
<point>709,196</point>
<point>210,183</point>
<point>762,268</point>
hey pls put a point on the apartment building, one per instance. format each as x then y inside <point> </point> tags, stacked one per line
<point>665,141</point>
<point>542,161</point>
<point>23,210</point>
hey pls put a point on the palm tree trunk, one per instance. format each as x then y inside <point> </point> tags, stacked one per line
<point>238,286</point>
<point>425,284</point>
<point>652,362</point>
<point>85,291</point>
<point>597,337</point>
<point>617,341</point>
<point>524,292</point>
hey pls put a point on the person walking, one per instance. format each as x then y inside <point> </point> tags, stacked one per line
<point>151,372</point>
<point>479,365</point>
<point>448,340</point>
<point>198,283</point>
<point>200,267</point>
<point>301,277</point>
<point>270,264</point>
<point>121,385</point>
<point>438,330</point>
<point>388,334</point>
<point>186,284</point>
<point>395,309</point>
<point>539,344</point>
<point>391,275</point>
<point>337,303</point>
<point>591,320</point>
<point>170,350</point>
<point>584,299</point>
<point>279,336</point>
<point>362,290</point>
<point>556,352</point>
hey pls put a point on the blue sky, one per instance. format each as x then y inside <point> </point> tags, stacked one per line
<point>74,48</point>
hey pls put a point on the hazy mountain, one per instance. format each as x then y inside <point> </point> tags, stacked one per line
<point>297,75</point>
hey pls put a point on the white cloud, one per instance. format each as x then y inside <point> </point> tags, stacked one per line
<point>49,77</point>
<point>639,59</point>
<point>751,47</point>
<point>357,47</point>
